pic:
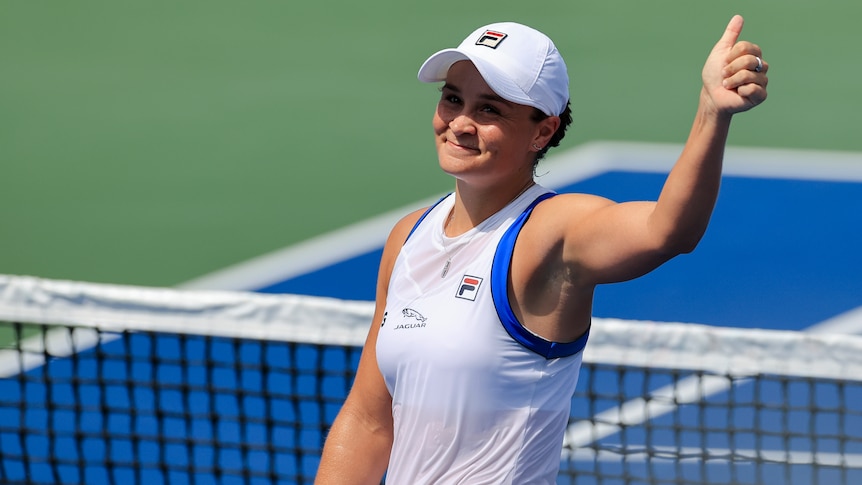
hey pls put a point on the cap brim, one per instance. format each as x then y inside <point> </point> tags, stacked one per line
<point>436,67</point>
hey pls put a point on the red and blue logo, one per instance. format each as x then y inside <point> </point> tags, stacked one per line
<point>468,289</point>
<point>491,39</point>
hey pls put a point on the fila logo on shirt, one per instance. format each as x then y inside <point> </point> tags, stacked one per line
<point>469,287</point>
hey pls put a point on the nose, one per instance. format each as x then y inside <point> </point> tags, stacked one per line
<point>462,124</point>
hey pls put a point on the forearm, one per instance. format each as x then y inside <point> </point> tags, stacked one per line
<point>688,197</point>
<point>734,80</point>
<point>354,453</point>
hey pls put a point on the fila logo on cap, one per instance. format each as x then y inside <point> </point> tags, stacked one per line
<point>491,39</point>
<point>469,287</point>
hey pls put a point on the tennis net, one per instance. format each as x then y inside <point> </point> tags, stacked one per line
<point>113,384</point>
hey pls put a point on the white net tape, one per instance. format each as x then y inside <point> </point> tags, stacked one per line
<point>643,344</point>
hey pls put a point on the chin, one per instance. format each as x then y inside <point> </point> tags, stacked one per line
<point>452,166</point>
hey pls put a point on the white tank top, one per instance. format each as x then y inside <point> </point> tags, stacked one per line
<point>476,397</point>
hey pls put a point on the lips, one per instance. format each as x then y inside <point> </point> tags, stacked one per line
<point>457,145</point>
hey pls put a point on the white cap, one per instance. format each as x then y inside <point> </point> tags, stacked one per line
<point>519,63</point>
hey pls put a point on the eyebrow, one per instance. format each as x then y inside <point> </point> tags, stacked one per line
<point>492,96</point>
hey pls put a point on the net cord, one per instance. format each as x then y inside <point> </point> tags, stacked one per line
<point>667,345</point>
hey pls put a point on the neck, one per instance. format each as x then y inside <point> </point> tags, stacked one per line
<point>474,206</point>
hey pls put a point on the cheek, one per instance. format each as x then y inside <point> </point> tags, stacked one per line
<point>440,125</point>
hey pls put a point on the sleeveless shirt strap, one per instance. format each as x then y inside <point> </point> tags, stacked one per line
<point>425,214</point>
<point>500,294</point>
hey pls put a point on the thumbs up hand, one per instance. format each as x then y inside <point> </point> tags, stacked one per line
<point>734,76</point>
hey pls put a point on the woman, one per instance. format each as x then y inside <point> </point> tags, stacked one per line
<point>484,300</point>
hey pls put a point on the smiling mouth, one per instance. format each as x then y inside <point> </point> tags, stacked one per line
<point>460,146</point>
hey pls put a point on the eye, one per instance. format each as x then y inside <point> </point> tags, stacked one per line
<point>448,95</point>
<point>450,98</point>
<point>490,109</point>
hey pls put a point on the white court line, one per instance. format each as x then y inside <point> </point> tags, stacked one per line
<point>640,410</point>
<point>558,170</point>
<point>56,343</point>
<point>673,455</point>
<point>847,322</point>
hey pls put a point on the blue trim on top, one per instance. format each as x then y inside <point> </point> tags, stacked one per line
<point>425,214</point>
<point>500,294</point>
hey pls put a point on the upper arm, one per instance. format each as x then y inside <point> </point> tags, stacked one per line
<point>369,398</point>
<point>605,241</point>
<point>357,448</point>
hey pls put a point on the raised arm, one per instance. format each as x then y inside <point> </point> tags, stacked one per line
<point>615,242</point>
<point>730,85</point>
<point>357,448</point>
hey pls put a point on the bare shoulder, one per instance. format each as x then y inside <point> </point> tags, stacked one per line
<point>588,200</point>
<point>566,209</point>
<point>397,237</point>
<point>402,228</point>
<point>564,230</point>
<point>551,224</point>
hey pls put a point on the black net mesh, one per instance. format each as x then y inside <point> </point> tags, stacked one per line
<point>156,408</point>
<point>79,406</point>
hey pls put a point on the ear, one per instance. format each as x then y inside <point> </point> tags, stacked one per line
<point>545,129</point>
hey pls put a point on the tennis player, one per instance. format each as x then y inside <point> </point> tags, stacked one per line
<point>484,299</point>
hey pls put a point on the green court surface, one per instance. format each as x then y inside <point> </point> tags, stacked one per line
<point>153,142</point>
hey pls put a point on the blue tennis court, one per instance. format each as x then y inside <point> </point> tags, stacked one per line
<point>781,253</point>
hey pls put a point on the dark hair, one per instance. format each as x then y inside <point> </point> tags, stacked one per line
<point>565,121</point>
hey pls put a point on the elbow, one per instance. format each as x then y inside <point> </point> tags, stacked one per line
<point>686,248</point>
<point>683,245</point>
<point>682,242</point>
<point>679,235</point>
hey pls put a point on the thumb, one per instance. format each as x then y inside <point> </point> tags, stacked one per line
<point>731,33</point>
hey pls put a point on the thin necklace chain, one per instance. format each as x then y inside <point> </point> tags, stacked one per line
<point>450,255</point>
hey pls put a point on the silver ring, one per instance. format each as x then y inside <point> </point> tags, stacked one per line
<point>759,64</point>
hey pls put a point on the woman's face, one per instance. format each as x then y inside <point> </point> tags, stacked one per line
<point>479,134</point>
